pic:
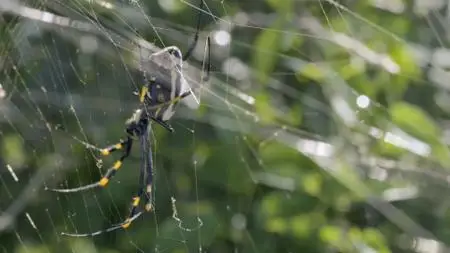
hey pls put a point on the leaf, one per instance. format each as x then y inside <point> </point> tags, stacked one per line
<point>277,225</point>
<point>405,68</point>
<point>301,225</point>
<point>271,205</point>
<point>283,7</point>
<point>294,117</point>
<point>263,108</point>
<point>402,54</point>
<point>330,234</point>
<point>415,121</point>
<point>311,71</point>
<point>375,239</point>
<point>265,57</point>
<point>352,69</point>
<point>13,150</point>
<point>388,150</point>
<point>312,183</point>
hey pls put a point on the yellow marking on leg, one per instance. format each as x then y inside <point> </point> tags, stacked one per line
<point>118,146</point>
<point>126,224</point>
<point>117,165</point>
<point>105,151</point>
<point>136,201</point>
<point>144,91</point>
<point>103,182</point>
<point>175,100</point>
<point>157,111</point>
<point>149,207</point>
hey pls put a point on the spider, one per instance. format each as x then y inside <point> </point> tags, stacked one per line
<point>158,100</point>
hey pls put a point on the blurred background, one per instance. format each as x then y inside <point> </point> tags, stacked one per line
<point>323,128</point>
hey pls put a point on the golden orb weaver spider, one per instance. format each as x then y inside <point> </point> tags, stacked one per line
<point>158,100</point>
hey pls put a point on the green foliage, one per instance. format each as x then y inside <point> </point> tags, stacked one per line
<point>415,121</point>
<point>312,71</point>
<point>223,181</point>
<point>266,46</point>
<point>263,107</point>
<point>13,150</point>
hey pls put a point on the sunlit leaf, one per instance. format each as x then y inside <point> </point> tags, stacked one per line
<point>330,234</point>
<point>415,121</point>
<point>354,233</point>
<point>265,56</point>
<point>404,67</point>
<point>312,183</point>
<point>349,70</point>
<point>277,225</point>
<point>271,205</point>
<point>375,238</point>
<point>311,71</point>
<point>13,150</point>
<point>301,225</point>
<point>295,115</point>
<point>387,149</point>
<point>264,108</point>
<point>284,7</point>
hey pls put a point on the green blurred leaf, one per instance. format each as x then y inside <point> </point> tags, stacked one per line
<point>330,234</point>
<point>311,71</point>
<point>271,205</point>
<point>264,108</point>
<point>13,150</point>
<point>266,47</point>
<point>277,204</point>
<point>277,225</point>
<point>284,7</point>
<point>388,150</point>
<point>312,183</point>
<point>355,234</point>
<point>275,153</point>
<point>403,55</point>
<point>375,239</point>
<point>342,202</point>
<point>404,69</point>
<point>294,117</point>
<point>350,69</point>
<point>301,225</point>
<point>415,121</point>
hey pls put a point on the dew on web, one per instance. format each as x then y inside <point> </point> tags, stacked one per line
<point>2,92</point>
<point>179,221</point>
<point>13,174</point>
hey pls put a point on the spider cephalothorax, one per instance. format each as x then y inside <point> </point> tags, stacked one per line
<point>166,88</point>
<point>158,98</point>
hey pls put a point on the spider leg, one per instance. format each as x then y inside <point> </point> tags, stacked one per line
<point>115,227</point>
<point>208,66</point>
<point>134,212</point>
<point>167,126</point>
<point>137,198</point>
<point>194,43</point>
<point>149,171</point>
<point>103,182</point>
<point>108,150</point>
<point>144,89</point>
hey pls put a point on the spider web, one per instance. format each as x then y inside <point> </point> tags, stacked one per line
<point>309,135</point>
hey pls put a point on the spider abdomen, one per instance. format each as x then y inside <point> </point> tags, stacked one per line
<point>162,102</point>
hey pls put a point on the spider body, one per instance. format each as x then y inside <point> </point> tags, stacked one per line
<point>158,99</point>
<point>166,87</point>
